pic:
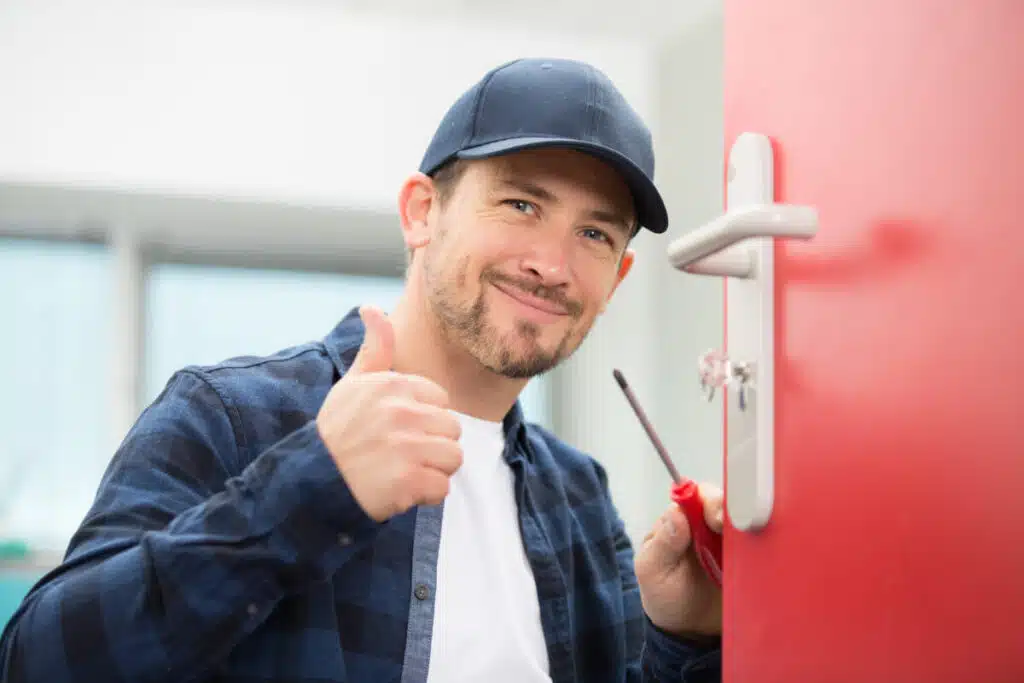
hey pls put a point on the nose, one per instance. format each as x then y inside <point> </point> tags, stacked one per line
<point>547,261</point>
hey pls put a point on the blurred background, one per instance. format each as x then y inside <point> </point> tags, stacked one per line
<point>186,181</point>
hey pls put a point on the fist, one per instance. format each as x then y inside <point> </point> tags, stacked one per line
<point>394,440</point>
<point>677,595</point>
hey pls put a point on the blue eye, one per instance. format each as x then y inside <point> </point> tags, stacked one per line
<point>593,233</point>
<point>520,205</point>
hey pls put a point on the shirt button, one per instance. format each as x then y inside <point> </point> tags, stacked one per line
<point>422,592</point>
<point>252,609</point>
<point>344,540</point>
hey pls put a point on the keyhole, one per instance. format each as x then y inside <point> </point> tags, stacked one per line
<point>741,374</point>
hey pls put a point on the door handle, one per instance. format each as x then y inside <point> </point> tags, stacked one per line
<point>739,245</point>
<point>701,251</point>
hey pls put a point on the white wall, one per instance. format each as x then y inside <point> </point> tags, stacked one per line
<point>310,105</point>
<point>300,102</point>
<point>691,149</point>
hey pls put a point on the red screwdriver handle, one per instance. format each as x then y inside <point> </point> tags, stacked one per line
<point>706,543</point>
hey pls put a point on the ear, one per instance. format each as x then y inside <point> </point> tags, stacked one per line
<point>416,200</point>
<point>625,266</point>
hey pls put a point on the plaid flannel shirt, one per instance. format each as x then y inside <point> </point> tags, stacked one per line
<point>223,545</point>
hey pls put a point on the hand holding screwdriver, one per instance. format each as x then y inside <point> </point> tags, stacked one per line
<point>679,564</point>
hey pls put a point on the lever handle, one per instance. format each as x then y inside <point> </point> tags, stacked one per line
<point>765,220</point>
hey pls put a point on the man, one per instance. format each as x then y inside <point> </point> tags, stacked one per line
<point>372,507</point>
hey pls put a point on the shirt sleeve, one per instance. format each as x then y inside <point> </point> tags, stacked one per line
<point>179,559</point>
<point>666,658</point>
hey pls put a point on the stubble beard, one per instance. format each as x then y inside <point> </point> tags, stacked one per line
<point>515,355</point>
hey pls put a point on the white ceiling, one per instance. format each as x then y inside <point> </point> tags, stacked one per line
<point>634,20</point>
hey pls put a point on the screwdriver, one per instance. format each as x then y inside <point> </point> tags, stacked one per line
<point>706,543</point>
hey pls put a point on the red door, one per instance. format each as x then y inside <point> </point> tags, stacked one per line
<point>895,547</point>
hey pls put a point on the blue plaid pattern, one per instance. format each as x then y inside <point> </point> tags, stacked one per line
<point>223,545</point>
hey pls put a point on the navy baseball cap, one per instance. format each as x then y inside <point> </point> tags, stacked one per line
<point>535,103</point>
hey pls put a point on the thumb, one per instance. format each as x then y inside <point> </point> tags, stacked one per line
<point>670,539</point>
<point>378,349</point>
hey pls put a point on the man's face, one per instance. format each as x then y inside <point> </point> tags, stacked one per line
<point>525,255</point>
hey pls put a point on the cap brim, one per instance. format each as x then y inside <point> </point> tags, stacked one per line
<point>650,208</point>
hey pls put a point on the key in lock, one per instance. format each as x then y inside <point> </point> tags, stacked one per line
<point>715,369</point>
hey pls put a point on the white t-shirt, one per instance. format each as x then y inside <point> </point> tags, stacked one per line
<point>486,615</point>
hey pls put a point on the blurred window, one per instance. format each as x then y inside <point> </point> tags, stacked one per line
<point>55,308</point>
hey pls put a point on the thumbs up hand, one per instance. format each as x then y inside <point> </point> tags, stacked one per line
<point>391,435</point>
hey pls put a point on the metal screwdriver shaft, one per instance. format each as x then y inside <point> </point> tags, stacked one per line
<point>648,427</point>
